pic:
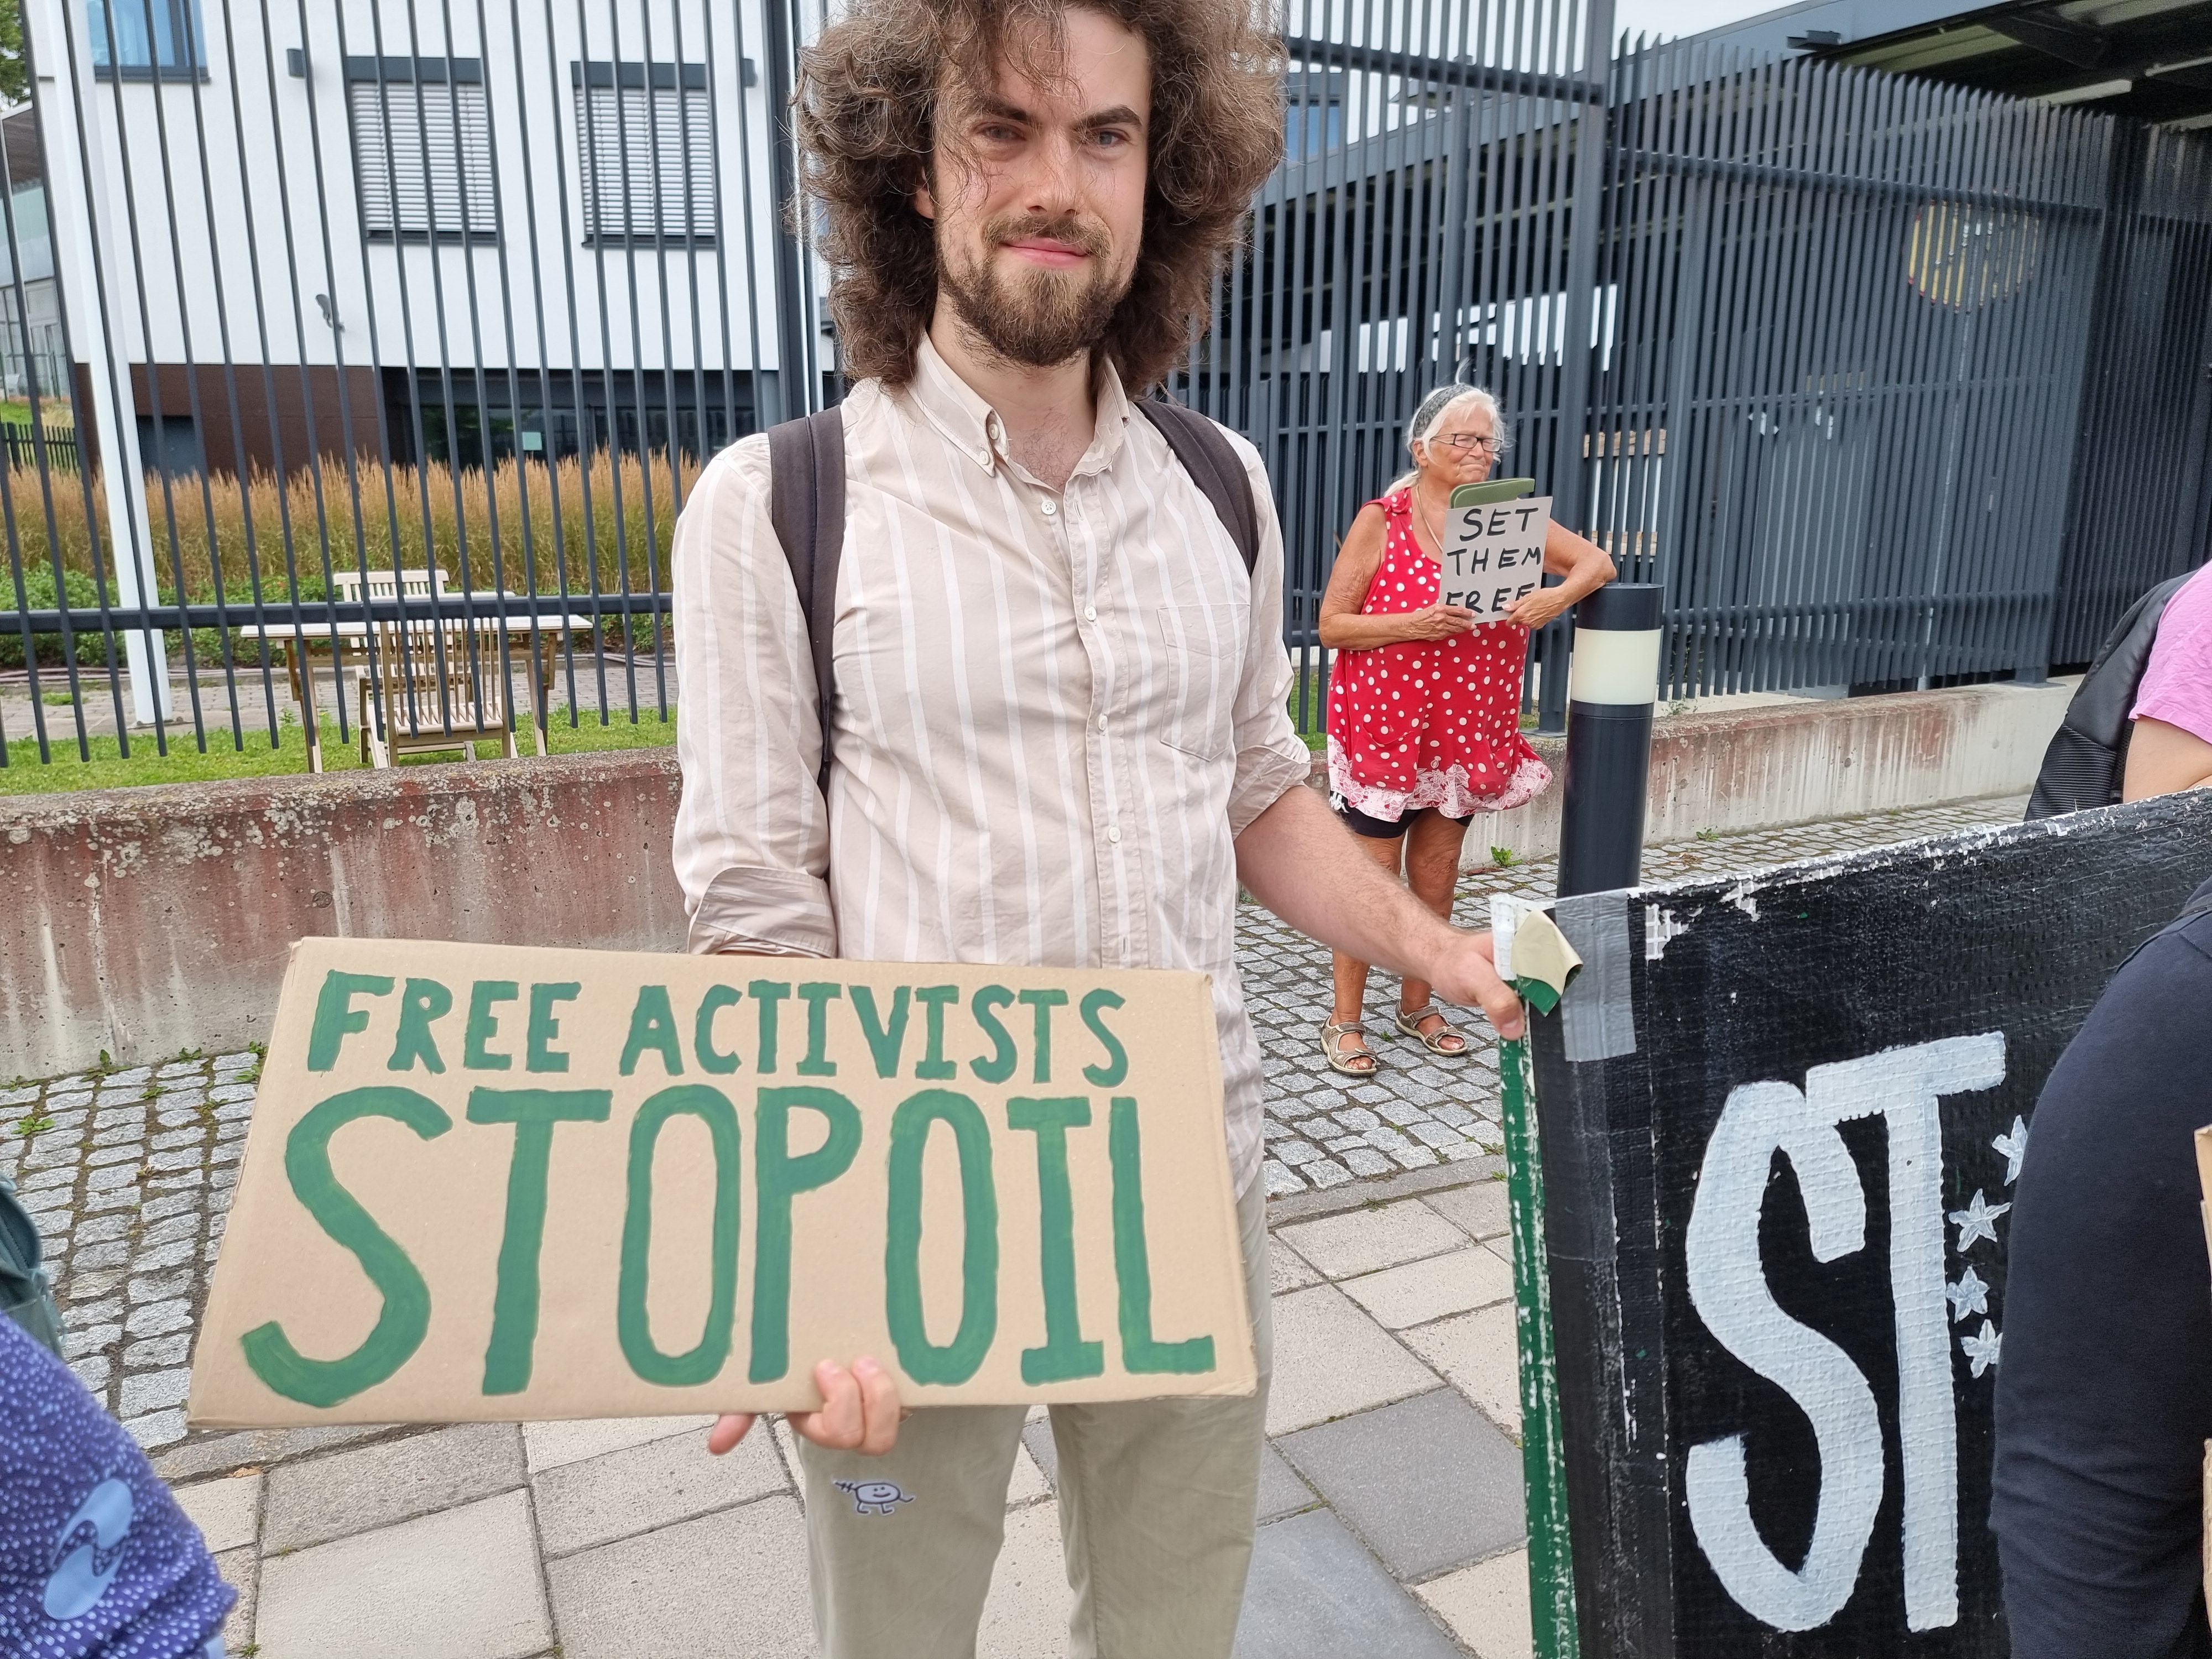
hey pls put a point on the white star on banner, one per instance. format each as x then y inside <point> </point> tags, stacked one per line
<point>2015,1148</point>
<point>1981,1347</point>
<point>1968,1296</point>
<point>1978,1220</point>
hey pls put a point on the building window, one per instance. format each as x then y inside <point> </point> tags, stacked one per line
<point>146,40</point>
<point>1313,113</point>
<point>421,149</point>
<point>645,148</point>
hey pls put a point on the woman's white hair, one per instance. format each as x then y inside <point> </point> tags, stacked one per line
<point>1440,402</point>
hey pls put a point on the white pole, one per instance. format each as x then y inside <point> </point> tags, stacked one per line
<point>78,221</point>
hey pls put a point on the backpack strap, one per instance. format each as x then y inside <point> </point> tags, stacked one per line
<point>1213,467</point>
<point>806,508</point>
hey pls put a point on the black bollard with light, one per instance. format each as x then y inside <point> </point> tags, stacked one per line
<point>1613,686</point>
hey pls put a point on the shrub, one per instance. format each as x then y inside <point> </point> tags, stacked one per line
<point>234,531</point>
<point>91,649</point>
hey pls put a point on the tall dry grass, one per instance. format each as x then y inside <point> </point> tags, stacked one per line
<point>577,520</point>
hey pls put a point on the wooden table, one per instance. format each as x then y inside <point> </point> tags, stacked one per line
<point>327,641</point>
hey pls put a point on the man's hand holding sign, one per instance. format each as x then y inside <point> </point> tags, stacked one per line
<point>508,1184</point>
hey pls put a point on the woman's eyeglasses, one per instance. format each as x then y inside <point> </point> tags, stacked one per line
<point>1463,442</point>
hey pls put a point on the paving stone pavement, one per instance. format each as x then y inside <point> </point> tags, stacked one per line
<point>1394,1381</point>
<point>1390,1501</point>
<point>129,1175</point>
<point>1325,1130</point>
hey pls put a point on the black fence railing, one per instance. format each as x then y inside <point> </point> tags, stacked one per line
<point>400,341</point>
<point>24,441</point>
<point>1889,383</point>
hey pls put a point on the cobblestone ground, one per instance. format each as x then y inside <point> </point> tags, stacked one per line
<point>128,1173</point>
<point>1325,1129</point>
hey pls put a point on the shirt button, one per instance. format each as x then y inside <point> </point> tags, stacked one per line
<point>1051,508</point>
<point>1090,613</point>
<point>1101,722</point>
<point>1114,834</point>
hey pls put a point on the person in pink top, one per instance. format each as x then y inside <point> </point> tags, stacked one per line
<point>2171,746</point>
<point>1424,702</point>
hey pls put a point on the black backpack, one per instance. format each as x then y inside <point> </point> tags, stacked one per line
<point>806,505</point>
<point>2087,759</point>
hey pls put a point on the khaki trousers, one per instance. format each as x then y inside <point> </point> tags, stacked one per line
<point>1156,1503</point>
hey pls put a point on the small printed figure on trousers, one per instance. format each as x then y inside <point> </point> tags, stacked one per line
<point>875,1496</point>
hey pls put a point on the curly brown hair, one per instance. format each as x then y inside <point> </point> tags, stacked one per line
<point>866,109</point>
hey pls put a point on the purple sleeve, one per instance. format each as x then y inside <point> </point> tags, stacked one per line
<point>96,1559</point>
<point>2176,682</point>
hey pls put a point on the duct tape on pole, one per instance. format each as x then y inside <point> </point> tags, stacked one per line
<point>1612,691</point>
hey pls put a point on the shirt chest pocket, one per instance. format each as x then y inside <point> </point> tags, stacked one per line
<point>1194,693</point>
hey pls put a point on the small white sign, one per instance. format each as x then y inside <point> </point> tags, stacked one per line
<point>1494,555</point>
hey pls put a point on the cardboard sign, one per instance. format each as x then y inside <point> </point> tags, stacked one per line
<point>496,1184</point>
<point>1493,554</point>
<point>1781,1119</point>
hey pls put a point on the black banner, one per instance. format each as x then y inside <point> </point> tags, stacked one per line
<point>1781,1118</point>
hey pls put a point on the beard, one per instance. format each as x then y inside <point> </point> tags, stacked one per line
<point>1041,318</point>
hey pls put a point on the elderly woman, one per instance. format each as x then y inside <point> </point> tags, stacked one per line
<point>1424,702</point>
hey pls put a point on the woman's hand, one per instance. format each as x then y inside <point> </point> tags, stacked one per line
<point>1532,610</point>
<point>1434,622</point>
<point>1583,567</point>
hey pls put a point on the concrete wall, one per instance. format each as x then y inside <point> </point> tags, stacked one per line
<point>146,920</point>
<point>1802,760</point>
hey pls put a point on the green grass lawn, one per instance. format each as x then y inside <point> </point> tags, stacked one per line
<point>184,763</point>
<point>1309,721</point>
<point>55,411</point>
<point>24,774</point>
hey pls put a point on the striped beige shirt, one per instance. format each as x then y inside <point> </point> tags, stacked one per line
<point>1056,711</point>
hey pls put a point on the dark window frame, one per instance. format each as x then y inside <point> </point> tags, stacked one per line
<point>468,180</point>
<point>181,57</point>
<point>587,77</point>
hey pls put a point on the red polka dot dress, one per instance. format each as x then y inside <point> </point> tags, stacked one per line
<point>1428,722</point>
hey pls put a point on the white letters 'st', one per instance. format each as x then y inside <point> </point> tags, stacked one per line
<point>1728,1288</point>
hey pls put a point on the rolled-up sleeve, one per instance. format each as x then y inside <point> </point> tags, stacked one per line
<point>1270,757</point>
<point>751,847</point>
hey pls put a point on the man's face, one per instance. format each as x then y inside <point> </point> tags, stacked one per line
<point>1040,205</point>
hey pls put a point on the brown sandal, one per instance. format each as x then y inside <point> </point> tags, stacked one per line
<point>1409,1022</point>
<point>1333,1034</point>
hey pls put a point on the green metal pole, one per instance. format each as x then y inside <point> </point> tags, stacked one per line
<point>1543,1457</point>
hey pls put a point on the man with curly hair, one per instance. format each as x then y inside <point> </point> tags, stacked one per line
<point>1057,731</point>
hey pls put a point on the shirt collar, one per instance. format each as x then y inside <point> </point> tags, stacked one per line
<point>973,427</point>
<point>955,408</point>
<point>1114,412</point>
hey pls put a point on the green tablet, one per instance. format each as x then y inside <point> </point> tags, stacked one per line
<point>1496,489</point>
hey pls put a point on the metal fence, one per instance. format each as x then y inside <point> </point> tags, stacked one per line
<point>1438,238</point>
<point>1890,383</point>
<point>359,292</point>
